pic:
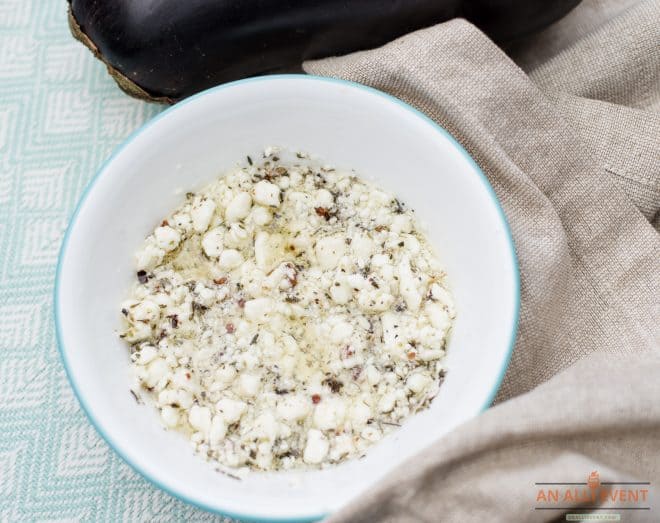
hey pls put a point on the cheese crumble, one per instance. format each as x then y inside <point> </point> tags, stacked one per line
<point>287,316</point>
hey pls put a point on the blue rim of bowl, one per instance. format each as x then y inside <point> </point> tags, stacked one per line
<point>132,136</point>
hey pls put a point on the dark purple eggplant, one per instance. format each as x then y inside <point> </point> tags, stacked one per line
<point>165,50</point>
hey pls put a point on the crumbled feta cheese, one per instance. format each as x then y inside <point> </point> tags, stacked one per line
<point>146,310</point>
<point>146,355</point>
<point>329,251</point>
<point>265,427</point>
<point>149,257</point>
<point>430,354</point>
<point>293,407</point>
<point>443,297</point>
<point>329,413</point>
<point>230,259</point>
<point>156,370</point>
<point>257,310</point>
<point>261,216</point>
<point>342,446</point>
<point>170,416</point>
<point>200,418</point>
<point>341,292</point>
<point>218,430</point>
<point>363,247</point>
<point>248,385</point>
<point>287,316</point>
<point>237,237</point>
<point>137,332</point>
<point>212,243</point>
<point>360,414</point>
<point>408,286</point>
<point>267,250</point>
<point>373,376</point>
<point>438,316</point>
<point>176,397</point>
<point>231,410</point>
<point>323,198</point>
<point>316,448</point>
<point>239,207</point>
<point>418,382</point>
<point>167,238</point>
<point>374,300</point>
<point>386,402</point>
<point>401,223</point>
<point>205,296</point>
<point>341,332</point>
<point>201,213</point>
<point>266,193</point>
<point>183,222</point>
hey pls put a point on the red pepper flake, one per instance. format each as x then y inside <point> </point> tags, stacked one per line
<point>241,303</point>
<point>164,223</point>
<point>230,328</point>
<point>347,352</point>
<point>316,398</point>
<point>220,281</point>
<point>292,277</point>
<point>188,375</point>
<point>323,211</point>
<point>412,355</point>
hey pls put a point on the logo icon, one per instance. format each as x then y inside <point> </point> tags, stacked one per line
<point>593,482</point>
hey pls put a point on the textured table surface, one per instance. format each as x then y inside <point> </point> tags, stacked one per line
<point>60,116</point>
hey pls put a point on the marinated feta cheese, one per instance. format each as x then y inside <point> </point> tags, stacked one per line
<point>289,315</point>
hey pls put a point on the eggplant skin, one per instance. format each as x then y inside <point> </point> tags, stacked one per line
<point>166,50</point>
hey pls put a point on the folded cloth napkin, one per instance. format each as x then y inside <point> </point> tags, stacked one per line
<point>571,146</point>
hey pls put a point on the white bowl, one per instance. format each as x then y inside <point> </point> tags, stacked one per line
<point>187,146</point>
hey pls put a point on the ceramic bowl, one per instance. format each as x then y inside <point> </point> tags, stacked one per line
<point>190,144</point>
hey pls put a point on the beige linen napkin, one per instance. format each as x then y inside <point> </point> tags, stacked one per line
<point>572,148</point>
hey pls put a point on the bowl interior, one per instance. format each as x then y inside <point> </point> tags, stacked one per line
<point>347,126</point>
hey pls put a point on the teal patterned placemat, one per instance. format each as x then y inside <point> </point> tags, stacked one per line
<point>60,116</point>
